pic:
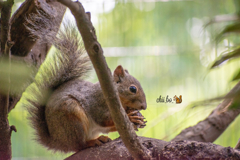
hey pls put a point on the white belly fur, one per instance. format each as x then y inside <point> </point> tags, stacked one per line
<point>95,130</point>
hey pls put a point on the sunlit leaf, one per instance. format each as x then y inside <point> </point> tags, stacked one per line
<point>233,54</point>
<point>20,76</point>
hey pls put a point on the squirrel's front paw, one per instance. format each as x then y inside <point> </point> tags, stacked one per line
<point>98,142</point>
<point>137,118</point>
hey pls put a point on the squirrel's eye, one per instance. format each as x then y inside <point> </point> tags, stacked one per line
<point>133,89</point>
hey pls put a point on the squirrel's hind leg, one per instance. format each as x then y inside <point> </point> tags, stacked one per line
<point>68,125</point>
<point>99,141</point>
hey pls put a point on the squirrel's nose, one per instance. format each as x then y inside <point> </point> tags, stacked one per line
<point>144,106</point>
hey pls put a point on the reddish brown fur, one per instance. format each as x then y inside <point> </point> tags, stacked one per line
<point>77,113</point>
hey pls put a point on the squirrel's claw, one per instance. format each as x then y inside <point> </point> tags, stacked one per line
<point>98,142</point>
<point>132,113</point>
<point>93,143</point>
<point>104,139</point>
<point>138,121</point>
<point>136,118</point>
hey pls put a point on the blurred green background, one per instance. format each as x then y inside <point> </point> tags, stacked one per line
<point>164,45</point>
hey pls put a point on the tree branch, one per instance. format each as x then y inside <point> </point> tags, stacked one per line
<point>159,149</point>
<point>215,124</point>
<point>95,53</point>
<point>20,35</point>
<point>238,145</point>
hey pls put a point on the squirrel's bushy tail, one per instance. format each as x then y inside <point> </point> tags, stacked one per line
<point>67,63</point>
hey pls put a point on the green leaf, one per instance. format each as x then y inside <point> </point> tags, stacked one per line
<point>236,101</point>
<point>233,54</point>
<point>234,105</point>
<point>237,6</point>
<point>236,76</point>
<point>232,28</point>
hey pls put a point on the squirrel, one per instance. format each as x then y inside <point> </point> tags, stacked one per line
<point>68,113</point>
<point>178,100</point>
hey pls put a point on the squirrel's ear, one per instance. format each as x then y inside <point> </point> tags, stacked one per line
<point>118,73</point>
<point>126,71</point>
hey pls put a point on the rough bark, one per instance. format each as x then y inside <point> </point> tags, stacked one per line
<point>110,93</point>
<point>5,139</point>
<point>183,150</point>
<point>24,42</point>
<point>215,124</point>
<point>34,52</point>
